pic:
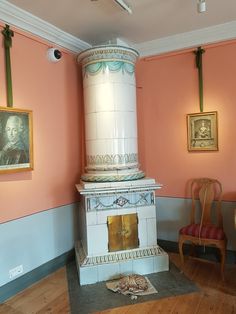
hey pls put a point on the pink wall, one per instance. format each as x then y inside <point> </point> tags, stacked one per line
<point>53,91</point>
<point>167,91</point>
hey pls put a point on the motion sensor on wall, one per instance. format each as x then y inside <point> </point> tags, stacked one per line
<point>54,54</point>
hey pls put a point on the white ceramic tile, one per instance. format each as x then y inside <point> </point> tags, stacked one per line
<point>142,233</point>
<point>115,77</point>
<point>91,218</point>
<point>132,116</point>
<point>131,145</point>
<point>131,121</point>
<point>129,79</point>
<point>97,239</point>
<point>126,199</point>
<point>143,182</point>
<point>103,203</point>
<point>106,125</point>
<point>108,146</point>
<point>146,211</point>
<point>100,185</point>
<point>105,98</point>
<point>134,199</point>
<point>108,75</point>
<point>111,147</point>
<point>93,204</point>
<point>120,184</point>
<point>121,124</point>
<point>94,185</point>
<point>126,124</point>
<point>108,271</point>
<point>143,266</point>
<point>125,97</point>
<point>126,268</point>
<point>89,100</point>
<point>126,211</point>
<point>88,275</point>
<point>161,263</point>
<point>95,147</point>
<point>91,126</point>
<point>118,146</point>
<point>151,231</point>
<point>82,228</point>
<point>120,77</point>
<point>102,215</point>
<point>93,79</point>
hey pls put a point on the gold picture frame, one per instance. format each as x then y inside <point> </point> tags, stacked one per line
<point>202,130</point>
<point>16,140</point>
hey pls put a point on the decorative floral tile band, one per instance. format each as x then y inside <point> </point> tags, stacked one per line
<point>110,159</point>
<point>128,200</point>
<point>112,66</point>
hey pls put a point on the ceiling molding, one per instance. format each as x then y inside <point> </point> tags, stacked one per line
<point>191,39</point>
<point>21,19</point>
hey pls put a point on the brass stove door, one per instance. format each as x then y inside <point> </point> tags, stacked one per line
<point>122,232</point>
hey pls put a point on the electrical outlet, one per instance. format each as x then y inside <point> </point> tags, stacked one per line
<point>15,271</point>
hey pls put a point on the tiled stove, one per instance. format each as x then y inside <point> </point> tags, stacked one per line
<point>118,212</point>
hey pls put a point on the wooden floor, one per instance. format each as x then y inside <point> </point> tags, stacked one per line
<point>50,295</point>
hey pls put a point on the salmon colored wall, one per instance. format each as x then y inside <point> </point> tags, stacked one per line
<point>167,88</point>
<point>53,91</point>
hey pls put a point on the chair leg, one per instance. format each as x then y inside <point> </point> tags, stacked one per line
<point>222,266</point>
<point>181,251</point>
<point>193,250</point>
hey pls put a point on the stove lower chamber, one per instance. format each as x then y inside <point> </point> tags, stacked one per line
<point>118,231</point>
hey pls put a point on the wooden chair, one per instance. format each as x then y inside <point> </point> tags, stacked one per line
<point>208,230</point>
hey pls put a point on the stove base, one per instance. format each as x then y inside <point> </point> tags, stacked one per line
<point>113,265</point>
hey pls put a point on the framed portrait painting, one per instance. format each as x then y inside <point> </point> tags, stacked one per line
<point>202,131</point>
<point>16,140</point>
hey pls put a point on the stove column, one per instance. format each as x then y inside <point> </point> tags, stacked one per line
<point>110,114</point>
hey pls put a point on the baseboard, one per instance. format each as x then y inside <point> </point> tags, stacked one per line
<point>23,282</point>
<point>208,253</point>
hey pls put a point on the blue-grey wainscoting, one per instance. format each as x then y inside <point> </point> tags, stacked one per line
<point>37,239</point>
<point>174,213</point>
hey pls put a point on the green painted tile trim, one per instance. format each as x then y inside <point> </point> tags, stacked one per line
<point>112,66</point>
<point>10,289</point>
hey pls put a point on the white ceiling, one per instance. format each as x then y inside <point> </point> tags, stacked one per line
<point>97,22</point>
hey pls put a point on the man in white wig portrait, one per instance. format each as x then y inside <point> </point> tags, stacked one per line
<point>14,150</point>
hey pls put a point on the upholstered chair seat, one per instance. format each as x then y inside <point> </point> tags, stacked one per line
<point>203,232</point>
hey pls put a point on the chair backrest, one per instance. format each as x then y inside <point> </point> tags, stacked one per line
<point>206,191</point>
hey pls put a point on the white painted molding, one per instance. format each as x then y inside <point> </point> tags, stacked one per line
<point>191,39</point>
<point>21,19</point>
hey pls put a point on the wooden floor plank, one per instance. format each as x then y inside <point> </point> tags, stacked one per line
<point>59,305</point>
<point>7,309</point>
<point>36,297</point>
